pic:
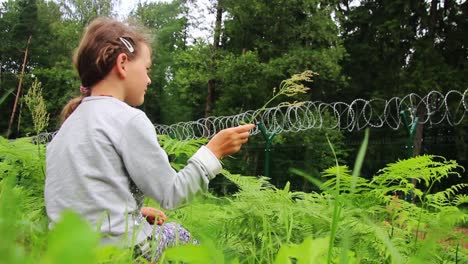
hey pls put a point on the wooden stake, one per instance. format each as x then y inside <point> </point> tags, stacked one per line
<point>18,92</point>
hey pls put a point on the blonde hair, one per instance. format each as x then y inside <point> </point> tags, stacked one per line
<point>101,44</point>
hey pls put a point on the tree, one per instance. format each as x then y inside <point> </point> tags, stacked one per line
<point>185,93</point>
<point>84,11</point>
<point>288,38</point>
<point>49,56</point>
<point>167,23</point>
<point>400,47</point>
<point>397,47</point>
<point>22,32</point>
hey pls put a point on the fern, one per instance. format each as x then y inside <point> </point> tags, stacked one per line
<point>248,183</point>
<point>179,151</point>
<point>260,220</point>
<point>460,199</point>
<point>21,160</point>
<point>426,169</point>
<point>346,183</point>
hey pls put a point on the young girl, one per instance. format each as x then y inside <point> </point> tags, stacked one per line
<point>106,156</point>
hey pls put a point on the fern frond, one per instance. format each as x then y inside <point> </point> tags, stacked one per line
<point>454,189</point>
<point>175,147</point>
<point>425,168</point>
<point>179,151</point>
<point>248,183</point>
<point>346,180</point>
<point>460,199</point>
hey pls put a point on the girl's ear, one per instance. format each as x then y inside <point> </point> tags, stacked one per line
<point>120,65</point>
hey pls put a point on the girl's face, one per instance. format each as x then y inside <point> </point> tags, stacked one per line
<point>137,80</point>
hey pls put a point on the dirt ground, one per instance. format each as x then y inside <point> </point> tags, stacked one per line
<point>464,231</point>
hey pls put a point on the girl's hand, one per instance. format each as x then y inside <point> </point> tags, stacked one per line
<point>153,215</point>
<point>229,141</point>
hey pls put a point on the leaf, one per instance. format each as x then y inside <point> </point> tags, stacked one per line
<point>191,253</point>
<point>72,241</point>
<point>5,96</point>
<point>310,251</point>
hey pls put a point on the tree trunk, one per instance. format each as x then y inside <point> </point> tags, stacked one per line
<point>418,135</point>
<point>432,18</point>
<point>210,98</point>
<point>18,92</point>
<point>460,143</point>
<point>418,140</point>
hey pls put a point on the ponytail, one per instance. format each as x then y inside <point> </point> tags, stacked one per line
<point>74,103</point>
<point>70,107</point>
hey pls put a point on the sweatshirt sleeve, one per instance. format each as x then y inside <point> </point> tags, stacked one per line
<point>148,165</point>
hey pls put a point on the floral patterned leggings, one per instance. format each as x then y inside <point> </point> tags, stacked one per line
<point>164,236</point>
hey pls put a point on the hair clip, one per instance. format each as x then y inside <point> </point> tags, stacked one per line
<point>84,90</point>
<point>127,44</point>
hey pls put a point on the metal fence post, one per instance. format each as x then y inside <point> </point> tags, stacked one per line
<point>411,128</point>
<point>268,139</point>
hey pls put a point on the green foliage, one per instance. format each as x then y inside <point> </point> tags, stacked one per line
<point>289,37</point>
<point>192,254</point>
<point>400,46</point>
<point>84,11</point>
<point>384,48</point>
<point>290,87</point>
<point>5,96</point>
<point>22,213</point>
<point>260,223</point>
<point>23,162</point>
<point>379,226</point>
<point>179,151</point>
<point>36,105</point>
<point>69,232</point>
<point>167,23</point>
<point>186,88</point>
<point>311,250</point>
<point>307,151</point>
<point>426,170</point>
<point>244,75</point>
<point>16,226</point>
<point>27,20</point>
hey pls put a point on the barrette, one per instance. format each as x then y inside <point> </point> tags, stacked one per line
<point>127,44</point>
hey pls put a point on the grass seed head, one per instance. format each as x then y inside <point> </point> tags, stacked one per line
<point>294,85</point>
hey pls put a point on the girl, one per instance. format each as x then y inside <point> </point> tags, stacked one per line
<point>106,156</point>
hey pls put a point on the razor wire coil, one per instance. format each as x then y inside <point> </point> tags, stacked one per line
<point>436,108</point>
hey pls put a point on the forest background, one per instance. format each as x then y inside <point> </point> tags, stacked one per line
<point>360,49</point>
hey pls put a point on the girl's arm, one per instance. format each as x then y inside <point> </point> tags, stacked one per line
<point>148,165</point>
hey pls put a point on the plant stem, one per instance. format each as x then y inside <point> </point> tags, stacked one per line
<point>423,205</point>
<point>337,207</point>
<point>263,107</point>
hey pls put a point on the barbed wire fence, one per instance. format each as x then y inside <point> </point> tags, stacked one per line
<point>451,108</point>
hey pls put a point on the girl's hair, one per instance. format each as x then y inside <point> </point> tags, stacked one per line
<point>101,44</point>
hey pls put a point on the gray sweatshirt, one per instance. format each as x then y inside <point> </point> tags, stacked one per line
<point>104,158</point>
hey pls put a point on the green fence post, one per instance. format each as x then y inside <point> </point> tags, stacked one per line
<point>268,139</point>
<point>411,128</point>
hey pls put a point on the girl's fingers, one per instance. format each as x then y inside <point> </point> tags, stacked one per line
<point>243,128</point>
<point>162,215</point>
<point>150,219</point>
<point>244,135</point>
